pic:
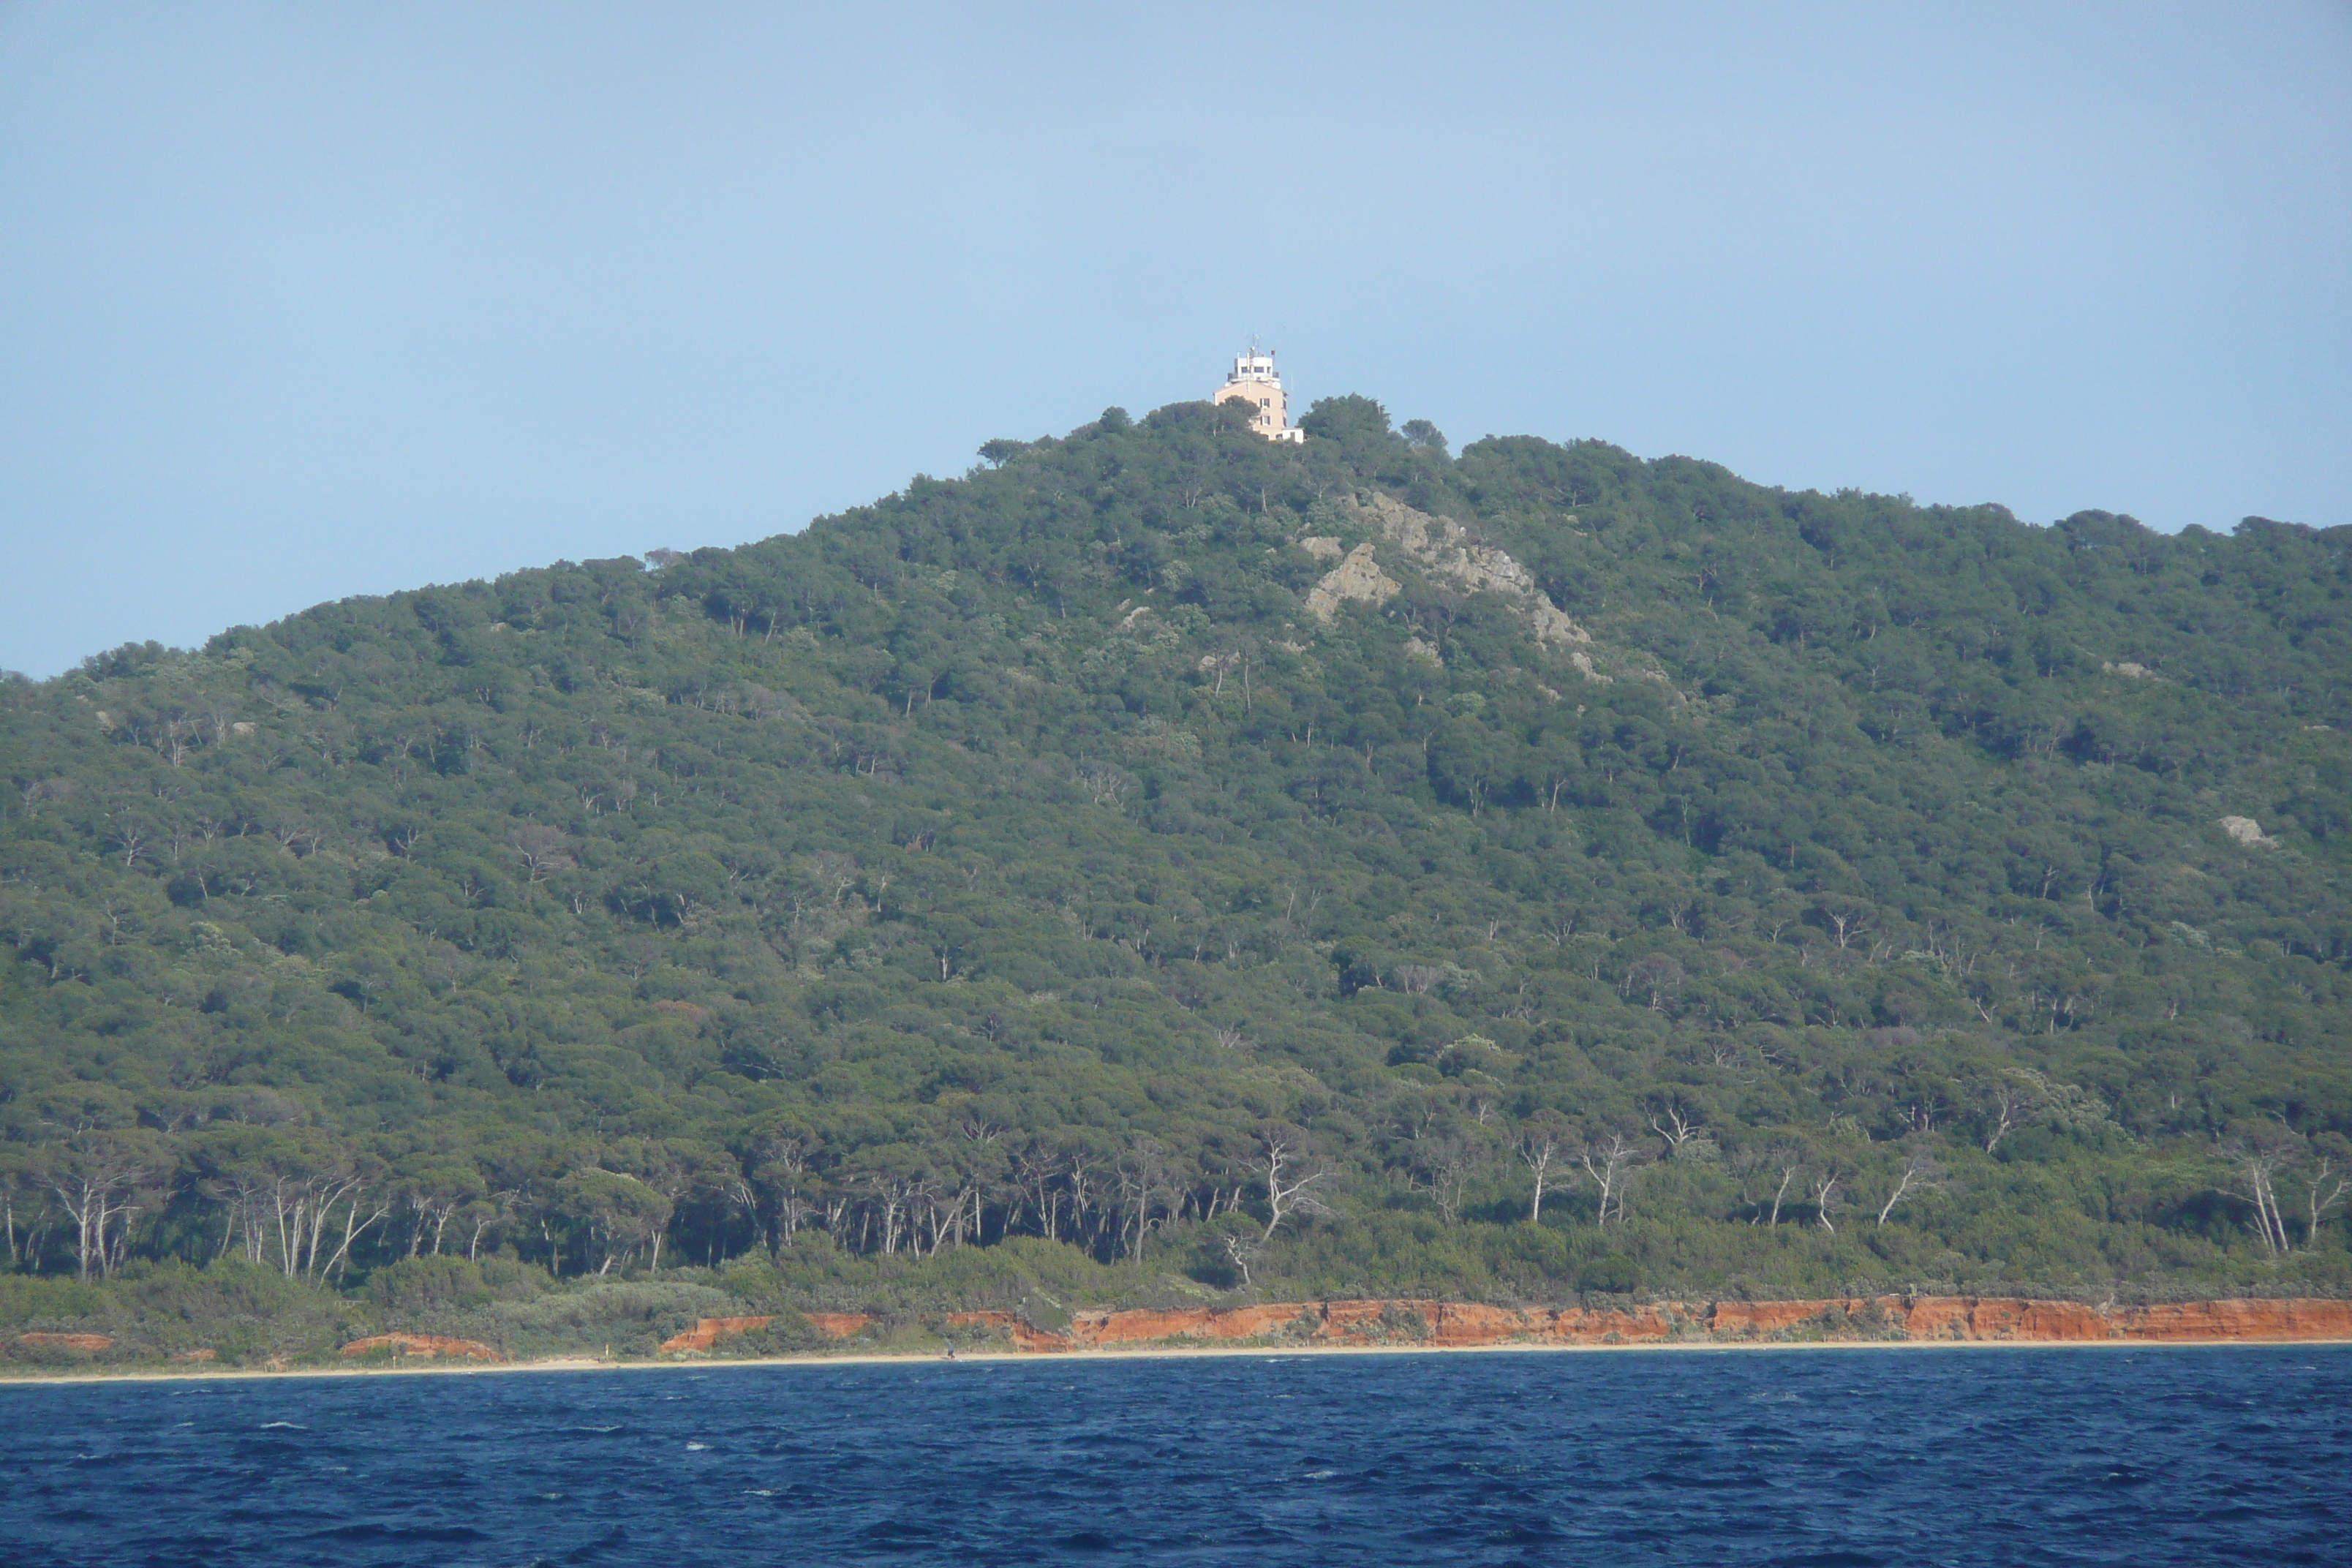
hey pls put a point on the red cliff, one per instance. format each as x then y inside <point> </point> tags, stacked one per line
<point>422,1345</point>
<point>1374,1322</point>
<point>707,1332</point>
<point>2283,1320</point>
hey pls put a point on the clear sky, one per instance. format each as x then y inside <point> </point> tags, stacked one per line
<point>309,301</point>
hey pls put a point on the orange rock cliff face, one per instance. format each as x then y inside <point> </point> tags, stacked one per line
<point>706,1332</point>
<point>422,1345</point>
<point>1407,1322</point>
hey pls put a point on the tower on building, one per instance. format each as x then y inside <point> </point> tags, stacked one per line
<point>1254,381</point>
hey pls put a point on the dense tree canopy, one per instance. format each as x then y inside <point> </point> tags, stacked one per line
<point>1307,864</point>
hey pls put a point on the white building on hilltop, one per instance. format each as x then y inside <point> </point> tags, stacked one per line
<point>1254,381</point>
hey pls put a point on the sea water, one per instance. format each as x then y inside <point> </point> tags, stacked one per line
<point>1840,1456</point>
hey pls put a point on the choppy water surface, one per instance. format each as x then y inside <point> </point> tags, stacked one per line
<point>1813,1456</point>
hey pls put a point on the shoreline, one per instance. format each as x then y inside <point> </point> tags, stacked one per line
<point>1340,1326</point>
<point>1159,1353</point>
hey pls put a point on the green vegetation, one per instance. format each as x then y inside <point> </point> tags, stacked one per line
<point>1163,864</point>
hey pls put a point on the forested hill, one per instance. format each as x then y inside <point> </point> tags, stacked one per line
<point>1294,867</point>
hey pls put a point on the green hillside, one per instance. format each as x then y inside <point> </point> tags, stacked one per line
<point>1251,866</point>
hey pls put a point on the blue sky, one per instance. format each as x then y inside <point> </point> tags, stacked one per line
<point>304,301</point>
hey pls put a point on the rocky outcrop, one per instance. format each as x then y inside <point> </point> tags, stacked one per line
<point>1358,578</point>
<point>422,1345</point>
<point>1376,1321</point>
<point>1444,549</point>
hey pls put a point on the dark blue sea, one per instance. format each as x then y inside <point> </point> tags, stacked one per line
<point>2157,1456</point>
